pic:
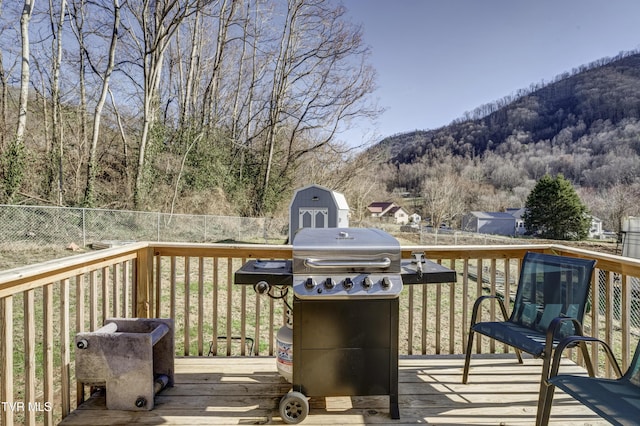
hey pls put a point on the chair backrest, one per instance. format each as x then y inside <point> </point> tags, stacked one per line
<point>633,372</point>
<point>551,286</point>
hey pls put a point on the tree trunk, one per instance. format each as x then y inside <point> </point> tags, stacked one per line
<point>25,18</point>
<point>57,131</point>
<point>211,91</point>
<point>14,156</point>
<point>97,114</point>
<point>187,104</point>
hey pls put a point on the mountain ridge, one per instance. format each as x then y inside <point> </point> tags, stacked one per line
<point>603,94</point>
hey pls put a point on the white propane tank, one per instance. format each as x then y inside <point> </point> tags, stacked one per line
<point>284,346</point>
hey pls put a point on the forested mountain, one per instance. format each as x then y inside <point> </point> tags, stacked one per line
<point>585,125</point>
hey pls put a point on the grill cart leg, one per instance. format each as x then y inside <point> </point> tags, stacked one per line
<point>394,410</point>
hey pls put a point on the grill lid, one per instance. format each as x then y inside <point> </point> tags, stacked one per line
<point>321,250</point>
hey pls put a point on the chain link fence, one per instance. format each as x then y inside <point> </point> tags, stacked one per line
<point>38,225</point>
<point>86,227</point>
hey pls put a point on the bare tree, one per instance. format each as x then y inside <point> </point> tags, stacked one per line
<point>13,159</point>
<point>56,151</point>
<point>210,95</point>
<point>320,80</point>
<point>612,204</point>
<point>89,196</point>
<point>157,23</point>
<point>25,18</point>
<point>77,14</point>
<point>4,94</point>
<point>188,85</point>
<point>442,195</point>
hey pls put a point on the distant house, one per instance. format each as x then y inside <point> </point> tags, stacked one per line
<point>596,231</point>
<point>497,223</point>
<point>511,223</point>
<point>415,218</point>
<point>517,213</point>
<point>388,211</point>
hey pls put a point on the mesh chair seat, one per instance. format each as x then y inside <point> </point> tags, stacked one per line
<point>527,340</point>
<point>615,400</point>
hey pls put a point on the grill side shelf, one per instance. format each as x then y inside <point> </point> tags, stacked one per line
<point>432,273</point>
<point>274,272</point>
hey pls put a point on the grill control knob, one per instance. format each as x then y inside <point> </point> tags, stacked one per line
<point>347,283</point>
<point>329,283</point>
<point>309,284</point>
<point>386,283</point>
<point>367,283</point>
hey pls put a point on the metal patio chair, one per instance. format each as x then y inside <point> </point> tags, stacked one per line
<point>615,400</point>
<point>549,305</point>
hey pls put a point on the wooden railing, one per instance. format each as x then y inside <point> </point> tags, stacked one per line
<point>43,306</point>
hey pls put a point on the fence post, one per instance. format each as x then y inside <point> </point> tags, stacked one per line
<point>84,228</point>
<point>144,281</point>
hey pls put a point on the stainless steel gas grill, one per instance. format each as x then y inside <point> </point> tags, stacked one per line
<point>346,283</point>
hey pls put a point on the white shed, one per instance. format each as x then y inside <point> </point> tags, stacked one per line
<point>315,206</point>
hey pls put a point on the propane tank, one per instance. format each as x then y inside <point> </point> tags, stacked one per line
<point>284,346</point>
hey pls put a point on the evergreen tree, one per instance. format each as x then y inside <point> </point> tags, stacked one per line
<point>554,210</point>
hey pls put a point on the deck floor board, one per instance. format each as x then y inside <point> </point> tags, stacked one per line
<point>241,391</point>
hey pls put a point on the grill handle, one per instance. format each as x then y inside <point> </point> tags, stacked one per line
<point>385,262</point>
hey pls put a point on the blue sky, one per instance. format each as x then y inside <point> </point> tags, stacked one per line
<point>437,59</point>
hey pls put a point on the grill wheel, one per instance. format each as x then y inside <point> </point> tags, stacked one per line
<point>294,407</point>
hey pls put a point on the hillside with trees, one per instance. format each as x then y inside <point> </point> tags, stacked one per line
<point>225,107</point>
<point>584,125</point>
<point>193,106</point>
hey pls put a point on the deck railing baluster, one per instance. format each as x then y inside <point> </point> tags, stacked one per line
<point>200,306</point>
<point>65,352</point>
<point>6,356</point>
<point>47,352</point>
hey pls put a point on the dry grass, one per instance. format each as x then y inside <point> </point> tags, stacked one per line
<point>16,255</point>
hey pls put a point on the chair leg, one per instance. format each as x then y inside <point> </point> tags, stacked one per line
<point>546,390</point>
<point>467,358</point>
<point>519,355</point>
<point>545,402</point>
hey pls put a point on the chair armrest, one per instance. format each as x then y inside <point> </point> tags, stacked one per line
<point>478,302</point>
<point>552,331</point>
<point>572,341</point>
<point>556,324</point>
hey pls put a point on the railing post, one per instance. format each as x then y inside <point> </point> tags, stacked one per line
<point>143,284</point>
<point>6,360</point>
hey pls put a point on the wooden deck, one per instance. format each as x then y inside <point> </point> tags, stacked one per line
<point>245,391</point>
